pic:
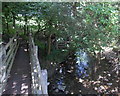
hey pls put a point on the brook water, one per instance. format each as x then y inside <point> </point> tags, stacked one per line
<point>69,76</point>
<point>75,76</point>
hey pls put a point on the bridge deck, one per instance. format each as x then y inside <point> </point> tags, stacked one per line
<point>19,81</point>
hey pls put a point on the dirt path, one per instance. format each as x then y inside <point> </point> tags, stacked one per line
<point>19,81</point>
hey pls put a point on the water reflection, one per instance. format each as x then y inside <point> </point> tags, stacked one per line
<point>76,76</point>
<point>65,78</point>
<point>81,63</point>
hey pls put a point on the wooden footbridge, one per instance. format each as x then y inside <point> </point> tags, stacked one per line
<point>20,71</point>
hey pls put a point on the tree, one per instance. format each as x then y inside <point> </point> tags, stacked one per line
<point>89,26</point>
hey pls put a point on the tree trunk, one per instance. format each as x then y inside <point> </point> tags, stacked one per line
<point>7,26</point>
<point>24,29</point>
<point>13,19</point>
<point>38,26</point>
<point>25,25</point>
<point>96,64</point>
<point>74,8</point>
<point>49,44</point>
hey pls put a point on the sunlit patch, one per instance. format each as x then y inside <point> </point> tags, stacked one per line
<point>40,87</point>
<point>14,83</point>
<point>15,92</point>
<point>25,50</point>
<point>96,88</point>
<point>24,92</point>
<point>72,67</point>
<point>63,50</point>
<point>24,88</point>
<point>72,92</point>
<point>76,78</point>
<point>104,72</point>
<point>80,80</point>
<point>109,74</point>
<point>70,71</point>
<point>13,86</point>
<point>102,58</point>
<point>115,90</point>
<point>35,70</point>
<point>4,90</point>
<point>100,77</point>
<point>107,49</point>
<point>48,83</point>
<point>96,82</point>
<point>24,76</point>
<point>56,69</point>
<point>117,80</point>
<point>60,70</point>
<point>15,39</point>
<point>51,63</point>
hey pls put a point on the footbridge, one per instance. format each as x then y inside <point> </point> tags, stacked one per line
<point>20,71</point>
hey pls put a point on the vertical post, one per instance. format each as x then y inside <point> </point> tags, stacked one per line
<point>44,81</point>
<point>0,68</point>
<point>36,50</point>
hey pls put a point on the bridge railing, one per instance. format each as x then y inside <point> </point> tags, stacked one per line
<point>7,55</point>
<point>39,77</point>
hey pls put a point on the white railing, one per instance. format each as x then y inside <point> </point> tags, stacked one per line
<point>7,55</point>
<point>39,77</point>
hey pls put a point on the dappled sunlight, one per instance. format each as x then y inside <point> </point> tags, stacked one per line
<point>19,88</point>
<point>24,76</point>
<point>72,92</point>
<point>25,50</point>
<point>80,80</point>
<point>70,71</point>
<point>103,81</point>
<point>14,85</point>
<point>15,92</point>
<point>24,88</point>
<point>51,63</point>
<point>19,85</point>
<point>78,45</point>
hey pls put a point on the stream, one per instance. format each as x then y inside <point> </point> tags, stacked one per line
<point>70,74</point>
<point>75,76</point>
